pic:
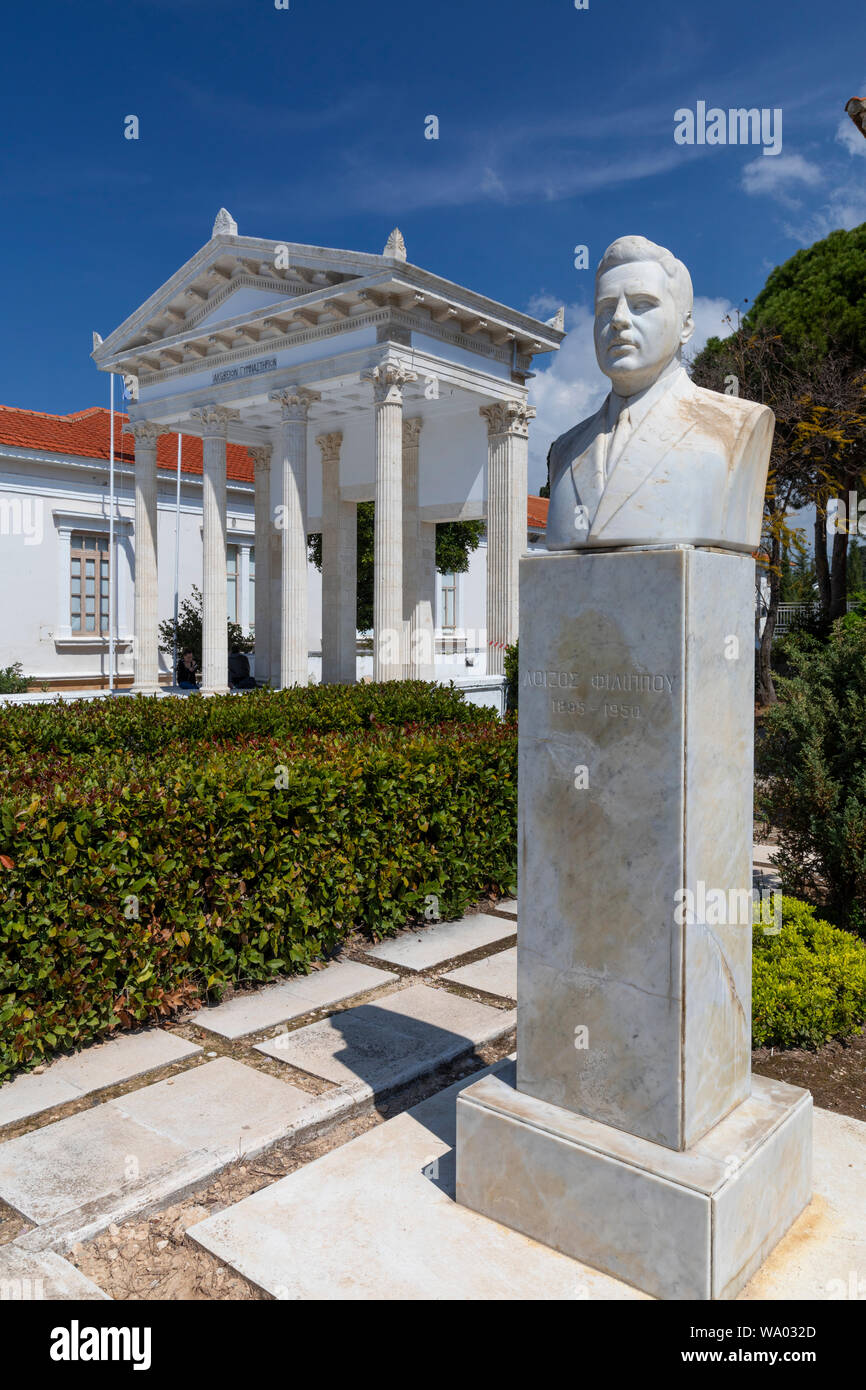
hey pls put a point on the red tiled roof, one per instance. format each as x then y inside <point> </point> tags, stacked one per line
<point>85,434</point>
<point>536,512</point>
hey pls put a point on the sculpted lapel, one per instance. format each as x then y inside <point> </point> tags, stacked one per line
<point>576,479</point>
<point>663,426</point>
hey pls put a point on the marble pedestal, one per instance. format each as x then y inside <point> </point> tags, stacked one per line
<point>635,932</point>
<point>696,1224</point>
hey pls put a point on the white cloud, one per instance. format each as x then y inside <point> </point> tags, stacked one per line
<point>777,176</point>
<point>566,391</point>
<point>492,184</point>
<point>845,208</point>
<point>848,135</point>
<point>573,385</point>
<point>543,306</point>
<point>710,316</point>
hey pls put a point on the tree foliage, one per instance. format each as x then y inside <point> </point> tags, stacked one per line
<point>190,619</point>
<point>817,299</point>
<point>801,349</point>
<point>811,759</point>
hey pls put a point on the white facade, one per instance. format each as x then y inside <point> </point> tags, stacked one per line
<point>346,377</point>
<point>48,500</point>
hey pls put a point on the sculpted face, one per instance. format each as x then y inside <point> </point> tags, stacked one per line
<point>639,326</point>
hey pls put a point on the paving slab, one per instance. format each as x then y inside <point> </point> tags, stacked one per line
<point>429,946</point>
<point>83,1159</point>
<point>766,880</point>
<point>224,1107</point>
<point>376,1047</point>
<point>30,1276</point>
<point>248,1013</point>
<point>508,906</point>
<point>495,974</point>
<point>377,1218</point>
<point>91,1069</point>
<point>30,1094</point>
<point>823,1255</point>
<point>762,855</point>
<point>99,1165</point>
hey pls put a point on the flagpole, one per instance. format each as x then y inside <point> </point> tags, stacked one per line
<point>111,558</point>
<point>176,559</point>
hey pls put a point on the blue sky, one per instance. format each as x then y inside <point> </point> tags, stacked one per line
<point>556,129</point>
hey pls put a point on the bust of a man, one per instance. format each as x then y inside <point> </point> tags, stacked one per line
<point>662,461</point>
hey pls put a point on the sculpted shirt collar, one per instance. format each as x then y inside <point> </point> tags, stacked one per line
<point>642,402</point>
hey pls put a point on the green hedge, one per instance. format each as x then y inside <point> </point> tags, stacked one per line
<point>138,724</point>
<point>808,982</point>
<point>236,878</point>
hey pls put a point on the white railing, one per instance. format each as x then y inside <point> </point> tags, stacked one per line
<point>786,613</point>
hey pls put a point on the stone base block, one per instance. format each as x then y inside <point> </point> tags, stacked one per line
<point>695,1224</point>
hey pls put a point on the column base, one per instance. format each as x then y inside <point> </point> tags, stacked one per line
<point>145,689</point>
<point>689,1225</point>
<point>214,690</point>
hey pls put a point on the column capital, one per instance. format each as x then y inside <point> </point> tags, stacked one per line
<point>411,431</point>
<point>215,419</point>
<point>146,431</point>
<point>261,456</point>
<point>388,380</point>
<point>330,446</point>
<point>295,402</point>
<point>508,417</point>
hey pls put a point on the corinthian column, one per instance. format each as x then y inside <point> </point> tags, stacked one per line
<point>417,595</point>
<point>339,569</point>
<point>388,380</point>
<point>261,457</point>
<point>215,656</point>
<point>146,649</point>
<point>507,454</point>
<point>295,403</point>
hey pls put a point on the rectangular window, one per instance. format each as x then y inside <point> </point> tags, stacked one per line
<point>232,567</point>
<point>449,602</point>
<point>89,584</point>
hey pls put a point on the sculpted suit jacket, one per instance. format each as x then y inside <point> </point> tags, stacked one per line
<point>692,472</point>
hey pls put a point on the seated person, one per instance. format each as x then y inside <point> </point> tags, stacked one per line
<point>186,672</point>
<point>239,671</point>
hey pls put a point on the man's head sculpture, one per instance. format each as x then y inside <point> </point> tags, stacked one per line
<point>643,312</point>
<point>662,462</point>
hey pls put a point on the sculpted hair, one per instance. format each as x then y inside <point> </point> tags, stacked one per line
<point>637,248</point>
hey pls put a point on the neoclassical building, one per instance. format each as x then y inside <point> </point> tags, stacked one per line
<point>347,377</point>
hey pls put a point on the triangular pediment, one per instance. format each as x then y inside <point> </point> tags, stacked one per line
<point>237,292</point>
<point>229,279</point>
<point>237,302</point>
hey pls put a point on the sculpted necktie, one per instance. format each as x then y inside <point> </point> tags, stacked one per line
<point>617,442</point>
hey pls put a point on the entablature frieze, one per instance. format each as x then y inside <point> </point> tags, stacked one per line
<point>403,320</point>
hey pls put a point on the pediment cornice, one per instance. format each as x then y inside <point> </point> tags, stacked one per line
<point>446,310</point>
<point>376,317</point>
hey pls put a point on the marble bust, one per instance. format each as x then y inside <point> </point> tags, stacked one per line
<point>662,462</point>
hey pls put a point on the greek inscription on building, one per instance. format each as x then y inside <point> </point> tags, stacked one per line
<point>264,364</point>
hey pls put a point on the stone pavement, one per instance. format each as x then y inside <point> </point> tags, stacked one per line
<point>129,1125</point>
<point>92,1069</point>
<point>379,1215</point>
